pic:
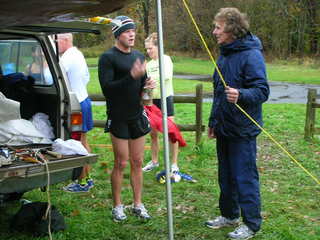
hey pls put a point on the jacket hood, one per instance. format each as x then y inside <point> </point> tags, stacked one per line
<point>250,41</point>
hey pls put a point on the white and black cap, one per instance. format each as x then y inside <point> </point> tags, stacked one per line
<point>121,24</point>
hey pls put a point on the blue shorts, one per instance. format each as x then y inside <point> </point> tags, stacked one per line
<point>87,122</point>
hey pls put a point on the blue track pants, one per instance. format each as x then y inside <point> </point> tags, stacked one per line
<point>239,181</point>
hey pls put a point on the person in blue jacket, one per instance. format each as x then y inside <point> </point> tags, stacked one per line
<point>242,66</point>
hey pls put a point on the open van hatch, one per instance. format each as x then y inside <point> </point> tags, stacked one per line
<point>21,176</point>
<point>25,26</point>
<point>22,13</point>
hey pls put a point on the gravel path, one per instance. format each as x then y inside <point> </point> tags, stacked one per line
<point>279,92</point>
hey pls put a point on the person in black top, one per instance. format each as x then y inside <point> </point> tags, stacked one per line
<point>122,76</point>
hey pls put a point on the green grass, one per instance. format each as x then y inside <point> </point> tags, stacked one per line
<point>192,66</point>
<point>280,71</point>
<point>293,73</point>
<point>92,62</point>
<point>290,198</point>
<point>180,85</point>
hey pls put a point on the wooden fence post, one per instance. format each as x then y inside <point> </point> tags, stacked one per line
<point>310,114</point>
<point>199,103</point>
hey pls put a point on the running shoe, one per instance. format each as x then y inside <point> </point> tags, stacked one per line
<point>220,222</point>
<point>241,232</point>
<point>76,188</point>
<point>118,214</point>
<point>150,166</point>
<point>141,211</point>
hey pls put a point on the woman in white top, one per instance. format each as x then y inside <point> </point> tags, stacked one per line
<point>151,45</point>
<point>39,68</point>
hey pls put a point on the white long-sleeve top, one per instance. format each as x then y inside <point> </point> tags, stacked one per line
<point>77,71</point>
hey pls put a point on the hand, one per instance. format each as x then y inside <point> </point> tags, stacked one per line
<point>138,69</point>
<point>211,133</point>
<point>150,83</point>
<point>232,94</point>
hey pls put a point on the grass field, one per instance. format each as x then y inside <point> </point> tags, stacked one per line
<point>279,71</point>
<point>290,198</point>
<point>180,85</point>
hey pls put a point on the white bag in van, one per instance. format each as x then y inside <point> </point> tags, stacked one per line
<point>9,109</point>
<point>69,147</point>
<point>20,132</point>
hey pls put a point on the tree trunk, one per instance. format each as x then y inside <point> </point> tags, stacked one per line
<point>313,35</point>
<point>146,11</point>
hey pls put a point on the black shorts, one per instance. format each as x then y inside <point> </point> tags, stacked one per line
<point>170,107</point>
<point>130,129</point>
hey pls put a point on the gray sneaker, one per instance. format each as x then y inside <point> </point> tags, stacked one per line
<point>220,222</point>
<point>118,214</point>
<point>141,212</point>
<point>241,232</point>
<point>150,166</point>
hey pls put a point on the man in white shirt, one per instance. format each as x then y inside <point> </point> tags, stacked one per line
<point>77,71</point>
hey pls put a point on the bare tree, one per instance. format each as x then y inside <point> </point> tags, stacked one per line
<point>143,10</point>
<point>312,7</point>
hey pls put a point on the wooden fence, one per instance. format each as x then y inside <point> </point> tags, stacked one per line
<point>198,127</point>
<point>310,129</point>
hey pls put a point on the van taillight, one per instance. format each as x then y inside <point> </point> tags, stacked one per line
<point>76,118</point>
<point>76,122</point>
<point>76,135</point>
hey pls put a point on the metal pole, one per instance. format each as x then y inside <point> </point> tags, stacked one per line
<point>164,122</point>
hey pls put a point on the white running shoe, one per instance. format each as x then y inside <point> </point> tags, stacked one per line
<point>242,232</point>
<point>220,222</point>
<point>118,214</point>
<point>174,168</point>
<point>150,166</point>
<point>141,212</point>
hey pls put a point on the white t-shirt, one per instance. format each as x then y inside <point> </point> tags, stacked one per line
<point>77,71</point>
<point>153,71</point>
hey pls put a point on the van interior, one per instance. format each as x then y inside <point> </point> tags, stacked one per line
<point>27,77</point>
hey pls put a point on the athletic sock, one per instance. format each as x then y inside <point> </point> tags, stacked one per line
<point>83,181</point>
<point>88,177</point>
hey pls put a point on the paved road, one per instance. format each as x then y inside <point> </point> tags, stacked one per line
<point>290,92</point>
<point>279,92</point>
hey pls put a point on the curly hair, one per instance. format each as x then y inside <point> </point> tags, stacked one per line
<point>153,38</point>
<point>236,22</point>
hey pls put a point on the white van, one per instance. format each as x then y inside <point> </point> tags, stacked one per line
<point>30,28</point>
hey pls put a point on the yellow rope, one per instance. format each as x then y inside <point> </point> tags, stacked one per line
<point>243,111</point>
<point>204,43</point>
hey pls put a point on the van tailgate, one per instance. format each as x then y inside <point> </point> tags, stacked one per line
<point>21,176</point>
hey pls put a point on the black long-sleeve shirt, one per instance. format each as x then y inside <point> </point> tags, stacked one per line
<point>122,92</point>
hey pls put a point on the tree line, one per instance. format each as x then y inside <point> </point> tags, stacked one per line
<point>287,28</point>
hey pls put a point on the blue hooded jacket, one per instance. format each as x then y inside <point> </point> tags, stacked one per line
<point>242,66</point>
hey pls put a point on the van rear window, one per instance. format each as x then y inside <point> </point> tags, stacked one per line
<point>27,57</point>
